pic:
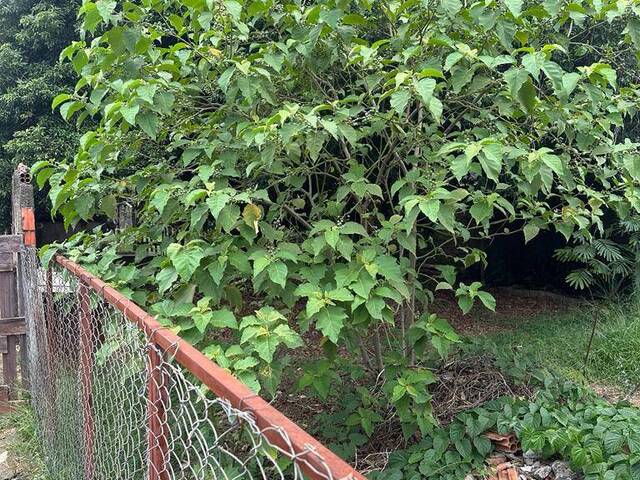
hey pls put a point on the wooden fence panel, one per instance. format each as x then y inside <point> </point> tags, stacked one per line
<point>12,326</point>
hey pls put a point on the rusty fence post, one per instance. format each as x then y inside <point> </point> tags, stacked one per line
<point>157,385</point>
<point>87,343</point>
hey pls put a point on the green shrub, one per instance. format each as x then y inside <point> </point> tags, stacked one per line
<point>324,166</point>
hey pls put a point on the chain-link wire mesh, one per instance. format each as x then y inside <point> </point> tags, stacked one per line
<point>111,404</point>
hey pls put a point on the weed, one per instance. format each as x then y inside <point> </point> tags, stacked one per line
<point>27,447</point>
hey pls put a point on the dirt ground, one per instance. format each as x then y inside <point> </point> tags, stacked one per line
<point>511,304</point>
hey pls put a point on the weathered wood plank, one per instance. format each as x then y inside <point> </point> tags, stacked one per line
<point>3,344</point>
<point>8,295</point>
<point>10,365</point>
<point>7,262</point>
<point>13,326</point>
<point>4,395</point>
<point>10,243</point>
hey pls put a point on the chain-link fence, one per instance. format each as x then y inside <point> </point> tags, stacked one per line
<point>119,397</point>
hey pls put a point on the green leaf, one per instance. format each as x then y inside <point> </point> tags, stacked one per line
<point>633,28</point>
<point>216,202</point>
<point>613,442</point>
<point>554,163</point>
<point>487,300</point>
<point>632,165</point>
<point>436,108</point>
<point>265,346</point>
<point>425,88</point>
<point>223,319</point>
<point>290,338</point>
<point>330,321</point>
<point>201,321</point>
<point>452,7</point>
<point>491,160</point>
<point>185,259</point>
<point>516,78</point>
<point>339,295</point>
<point>399,100</point>
<point>148,121</point>
<point>430,209</point>
<point>354,19</point>
<point>147,92</point>
<point>108,206</point>
<point>533,63</point>
<point>166,278</point>
<point>63,97</point>
<point>129,113</point>
<point>451,60</point>
<point>277,272</point>
<point>352,228</point>
<point>514,6</point>
<point>332,235</point>
<point>483,445</point>
<point>527,96</point>
<point>159,200</point>
<point>465,302</point>
<point>389,268</point>
<point>68,109</point>
<point>464,448</point>
<point>260,263</point>
<point>569,82</point>
<point>234,8</point>
<point>530,232</point>
<point>481,210</point>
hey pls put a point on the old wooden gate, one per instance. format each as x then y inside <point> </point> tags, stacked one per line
<point>13,339</point>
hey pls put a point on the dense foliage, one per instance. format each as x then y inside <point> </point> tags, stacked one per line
<point>599,439</point>
<point>309,173</point>
<point>33,34</point>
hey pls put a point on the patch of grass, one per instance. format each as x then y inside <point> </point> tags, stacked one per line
<point>561,342</point>
<point>27,448</point>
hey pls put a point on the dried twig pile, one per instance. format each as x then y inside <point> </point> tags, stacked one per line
<point>469,382</point>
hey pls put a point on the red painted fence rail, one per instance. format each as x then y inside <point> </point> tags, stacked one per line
<point>311,456</point>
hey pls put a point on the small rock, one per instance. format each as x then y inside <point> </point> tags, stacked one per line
<point>469,477</point>
<point>530,457</point>
<point>562,471</point>
<point>543,472</point>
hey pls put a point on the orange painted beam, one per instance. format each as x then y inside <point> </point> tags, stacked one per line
<point>29,227</point>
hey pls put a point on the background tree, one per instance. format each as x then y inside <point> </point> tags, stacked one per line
<point>33,34</point>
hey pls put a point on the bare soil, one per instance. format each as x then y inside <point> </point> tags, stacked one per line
<point>512,305</point>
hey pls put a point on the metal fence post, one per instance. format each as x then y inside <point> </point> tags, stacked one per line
<point>87,343</point>
<point>157,412</point>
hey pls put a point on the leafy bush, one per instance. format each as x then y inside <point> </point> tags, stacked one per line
<point>313,171</point>
<point>566,421</point>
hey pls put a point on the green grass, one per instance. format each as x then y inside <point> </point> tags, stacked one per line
<point>561,341</point>
<point>27,448</point>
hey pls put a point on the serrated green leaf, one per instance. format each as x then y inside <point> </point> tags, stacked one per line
<point>277,272</point>
<point>330,321</point>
